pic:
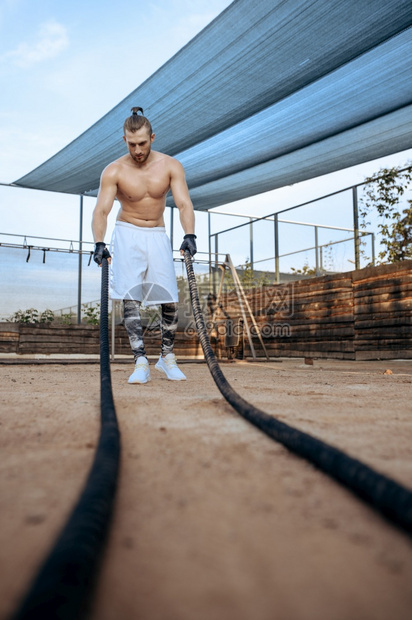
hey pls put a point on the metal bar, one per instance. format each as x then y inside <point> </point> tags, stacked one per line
<point>316,251</point>
<point>251,242</point>
<point>79,282</point>
<point>373,248</point>
<point>269,217</point>
<point>356,226</point>
<point>39,247</point>
<point>113,326</point>
<point>171,226</point>
<point>277,274</point>
<point>319,225</point>
<point>44,238</point>
<point>230,213</point>
<point>216,264</point>
<point>272,217</point>
<point>312,248</point>
<point>219,294</point>
<point>84,252</point>
<point>209,237</point>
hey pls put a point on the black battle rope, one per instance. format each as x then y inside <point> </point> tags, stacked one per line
<point>385,495</point>
<point>63,587</point>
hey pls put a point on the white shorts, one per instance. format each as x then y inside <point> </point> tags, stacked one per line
<point>142,265</point>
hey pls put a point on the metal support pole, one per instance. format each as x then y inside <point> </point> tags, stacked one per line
<point>79,281</point>
<point>277,275</point>
<point>209,226</point>
<point>373,248</point>
<point>251,242</point>
<point>171,226</point>
<point>356,226</point>
<point>316,251</point>
<point>216,262</point>
<point>113,325</point>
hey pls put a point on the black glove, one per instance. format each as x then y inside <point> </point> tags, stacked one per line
<point>100,252</point>
<point>189,243</point>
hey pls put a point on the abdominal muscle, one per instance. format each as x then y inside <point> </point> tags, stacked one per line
<point>145,213</point>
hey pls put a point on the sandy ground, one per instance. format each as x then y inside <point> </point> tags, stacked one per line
<point>213,520</point>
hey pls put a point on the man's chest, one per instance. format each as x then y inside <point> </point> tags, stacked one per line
<point>140,184</point>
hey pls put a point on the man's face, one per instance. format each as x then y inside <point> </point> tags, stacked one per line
<point>139,144</point>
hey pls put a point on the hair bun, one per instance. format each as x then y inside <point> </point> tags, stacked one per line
<point>136,110</point>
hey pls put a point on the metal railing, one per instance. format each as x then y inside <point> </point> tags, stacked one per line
<point>317,247</point>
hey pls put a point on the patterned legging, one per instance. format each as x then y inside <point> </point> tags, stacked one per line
<point>133,325</point>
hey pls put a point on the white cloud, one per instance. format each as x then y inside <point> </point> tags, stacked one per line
<point>50,41</point>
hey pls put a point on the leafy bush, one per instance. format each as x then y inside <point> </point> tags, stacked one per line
<point>305,271</point>
<point>91,314</point>
<point>67,319</point>
<point>47,316</point>
<point>382,196</point>
<point>31,316</point>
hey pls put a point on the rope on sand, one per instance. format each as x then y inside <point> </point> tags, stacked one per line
<point>63,586</point>
<point>385,495</point>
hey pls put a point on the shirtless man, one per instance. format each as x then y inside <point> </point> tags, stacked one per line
<point>142,262</point>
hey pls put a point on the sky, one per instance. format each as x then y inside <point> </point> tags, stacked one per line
<point>63,65</point>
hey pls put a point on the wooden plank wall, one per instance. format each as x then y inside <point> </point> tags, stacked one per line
<point>306,318</point>
<point>82,339</point>
<point>363,314</point>
<point>9,337</point>
<point>383,311</point>
<point>45,339</point>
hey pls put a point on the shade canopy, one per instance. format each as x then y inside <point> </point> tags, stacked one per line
<point>270,93</point>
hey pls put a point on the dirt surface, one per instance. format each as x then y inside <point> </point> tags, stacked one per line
<point>213,520</point>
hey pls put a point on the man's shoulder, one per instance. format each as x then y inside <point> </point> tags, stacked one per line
<point>167,159</point>
<point>173,165</point>
<point>114,167</point>
<point>119,163</point>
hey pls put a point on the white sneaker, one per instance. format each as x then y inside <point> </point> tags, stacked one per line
<point>168,365</point>
<point>141,372</point>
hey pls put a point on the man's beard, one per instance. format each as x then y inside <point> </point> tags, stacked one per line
<point>142,159</point>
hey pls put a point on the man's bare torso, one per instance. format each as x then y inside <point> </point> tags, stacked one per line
<point>142,190</point>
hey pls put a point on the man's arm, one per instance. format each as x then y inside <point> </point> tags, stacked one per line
<point>182,200</point>
<point>105,199</point>
<point>181,197</point>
